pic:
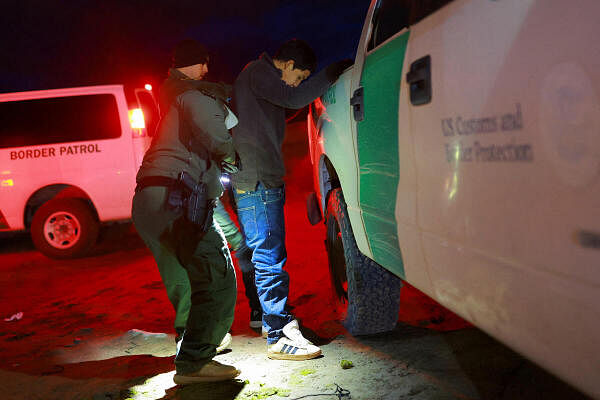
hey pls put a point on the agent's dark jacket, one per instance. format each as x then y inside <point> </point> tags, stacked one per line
<point>191,136</point>
<point>260,100</point>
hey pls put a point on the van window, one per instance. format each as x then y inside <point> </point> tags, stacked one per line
<point>59,119</point>
<point>391,16</point>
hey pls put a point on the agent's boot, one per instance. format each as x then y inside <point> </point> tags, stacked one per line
<point>213,371</point>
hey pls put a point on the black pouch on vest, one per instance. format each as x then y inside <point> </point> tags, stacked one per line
<point>175,197</point>
<point>198,209</point>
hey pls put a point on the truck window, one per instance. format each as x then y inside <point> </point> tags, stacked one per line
<point>424,8</point>
<point>59,119</point>
<point>391,16</point>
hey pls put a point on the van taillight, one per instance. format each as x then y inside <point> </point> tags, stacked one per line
<point>136,118</point>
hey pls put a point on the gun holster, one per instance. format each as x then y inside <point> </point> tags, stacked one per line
<point>192,198</point>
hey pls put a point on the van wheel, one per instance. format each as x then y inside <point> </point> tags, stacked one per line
<point>371,292</point>
<point>64,228</point>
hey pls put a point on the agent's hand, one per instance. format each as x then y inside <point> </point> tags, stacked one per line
<point>334,70</point>
<point>231,166</point>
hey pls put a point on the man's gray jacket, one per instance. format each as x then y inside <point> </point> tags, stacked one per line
<point>191,136</point>
<point>260,100</point>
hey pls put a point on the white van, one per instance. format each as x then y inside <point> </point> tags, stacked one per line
<point>461,153</point>
<point>68,160</point>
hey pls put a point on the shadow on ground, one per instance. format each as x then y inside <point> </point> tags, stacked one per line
<point>227,390</point>
<point>468,361</point>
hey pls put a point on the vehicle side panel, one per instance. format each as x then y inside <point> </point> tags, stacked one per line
<point>508,174</point>
<point>332,135</point>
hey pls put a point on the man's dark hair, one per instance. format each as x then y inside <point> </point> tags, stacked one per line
<point>298,51</point>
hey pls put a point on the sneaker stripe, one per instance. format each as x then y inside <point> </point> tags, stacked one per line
<point>285,346</point>
<point>295,350</point>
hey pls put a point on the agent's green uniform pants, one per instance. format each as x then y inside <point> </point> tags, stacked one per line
<point>195,268</point>
<point>242,252</point>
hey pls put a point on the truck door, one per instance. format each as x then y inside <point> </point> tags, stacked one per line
<point>508,173</point>
<point>376,104</point>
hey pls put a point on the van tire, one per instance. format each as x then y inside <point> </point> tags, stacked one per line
<point>77,221</point>
<point>373,293</point>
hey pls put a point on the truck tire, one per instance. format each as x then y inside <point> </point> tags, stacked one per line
<point>371,292</point>
<point>64,228</point>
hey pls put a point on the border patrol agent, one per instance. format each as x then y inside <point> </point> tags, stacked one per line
<point>177,185</point>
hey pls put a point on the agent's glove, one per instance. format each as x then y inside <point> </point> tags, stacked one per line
<point>334,70</point>
<point>231,166</point>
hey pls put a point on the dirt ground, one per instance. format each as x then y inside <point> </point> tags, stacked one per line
<point>100,327</point>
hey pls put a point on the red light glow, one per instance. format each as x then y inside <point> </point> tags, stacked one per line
<point>136,118</point>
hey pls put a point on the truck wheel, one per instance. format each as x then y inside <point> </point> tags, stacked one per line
<point>64,228</point>
<point>371,292</point>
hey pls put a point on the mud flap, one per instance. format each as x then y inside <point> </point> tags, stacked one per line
<point>313,211</point>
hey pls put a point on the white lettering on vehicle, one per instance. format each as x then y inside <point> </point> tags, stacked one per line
<point>54,151</point>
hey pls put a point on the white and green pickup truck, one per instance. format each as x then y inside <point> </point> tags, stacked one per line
<point>461,153</point>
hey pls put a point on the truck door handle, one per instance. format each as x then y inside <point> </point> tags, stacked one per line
<point>358,105</point>
<point>588,239</point>
<point>419,80</point>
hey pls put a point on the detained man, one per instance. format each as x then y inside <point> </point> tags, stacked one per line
<point>262,92</point>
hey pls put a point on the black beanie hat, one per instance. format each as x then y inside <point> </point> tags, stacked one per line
<point>189,52</point>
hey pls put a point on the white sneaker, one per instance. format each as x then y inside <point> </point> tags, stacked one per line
<point>292,346</point>
<point>224,343</point>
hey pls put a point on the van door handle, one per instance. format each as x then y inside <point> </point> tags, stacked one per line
<point>419,80</point>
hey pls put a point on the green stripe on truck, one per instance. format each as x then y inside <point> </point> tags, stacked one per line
<point>378,151</point>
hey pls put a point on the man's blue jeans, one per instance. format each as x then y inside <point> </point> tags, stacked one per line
<point>260,212</point>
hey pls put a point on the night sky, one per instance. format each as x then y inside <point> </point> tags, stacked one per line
<point>51,44</point>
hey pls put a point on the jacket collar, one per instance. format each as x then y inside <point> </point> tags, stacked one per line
<point>177,74</point>
<point>264,57</point>
<point>215,90</point>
